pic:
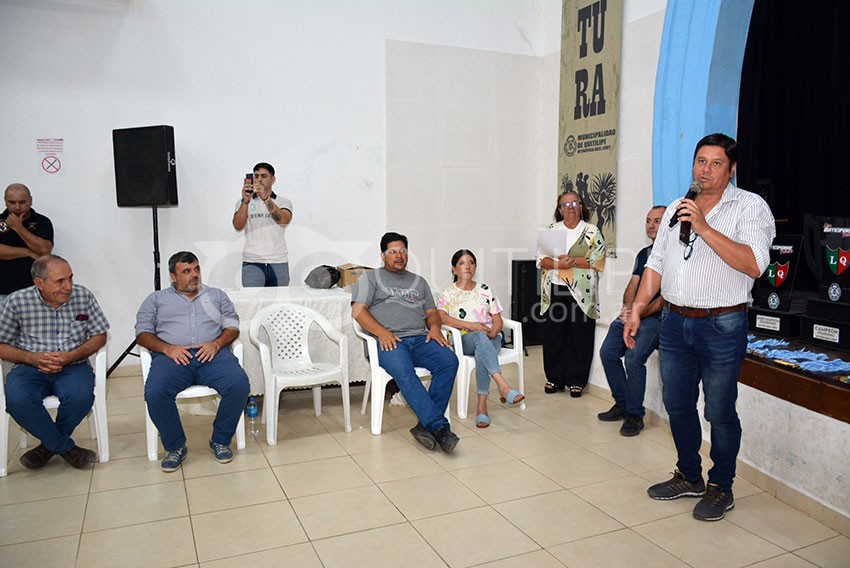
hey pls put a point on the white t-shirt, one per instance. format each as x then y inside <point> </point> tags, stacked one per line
<point>265,240</point>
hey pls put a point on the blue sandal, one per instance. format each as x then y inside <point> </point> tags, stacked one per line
<point>482,421</point>
<point>513,396</point>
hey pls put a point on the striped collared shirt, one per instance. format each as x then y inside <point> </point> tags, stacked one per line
<point>705,280</point>
<point>177,320</point>
<point>27,323</point>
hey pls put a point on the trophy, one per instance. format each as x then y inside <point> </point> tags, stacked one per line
<point>827,246</point>
<point>771,311</point>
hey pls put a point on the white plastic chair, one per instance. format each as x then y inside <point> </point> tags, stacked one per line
<point>507,355</point>
<point>377,381</point>
<point>194,391</point>
<point>97,418</point>
<point>281,333</point>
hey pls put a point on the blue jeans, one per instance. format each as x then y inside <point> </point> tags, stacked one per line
<point>430,404</point>
<point>26,388</point>
<point>259,274</point>
<point>486,352</point>
<point>628,384</point>
<point>166,379</point>
<point>710,350</point>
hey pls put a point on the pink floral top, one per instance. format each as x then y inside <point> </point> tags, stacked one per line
<point>478,304</point>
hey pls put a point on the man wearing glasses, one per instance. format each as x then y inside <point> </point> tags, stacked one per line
<point>706,278</point>
<point>397,307</point>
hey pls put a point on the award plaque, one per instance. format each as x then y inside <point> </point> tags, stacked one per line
<point>827,247</point>
<point>771,312</point>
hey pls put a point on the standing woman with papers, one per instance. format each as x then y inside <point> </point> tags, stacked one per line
<point>571,253</point>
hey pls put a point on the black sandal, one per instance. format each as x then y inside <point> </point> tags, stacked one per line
<point>550,388</point>
<point>576,392</point>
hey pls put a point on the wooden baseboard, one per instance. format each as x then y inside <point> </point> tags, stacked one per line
<point>825,396</point>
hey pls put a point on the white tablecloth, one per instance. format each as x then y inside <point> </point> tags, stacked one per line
<point>334,304</point>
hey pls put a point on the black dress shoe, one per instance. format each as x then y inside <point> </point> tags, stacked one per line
<point>446,439</point>
<point>37,457</point>
<point>423,436</point>
<point>79,458</point>
<point>632,425</point>
<point>614,414</point>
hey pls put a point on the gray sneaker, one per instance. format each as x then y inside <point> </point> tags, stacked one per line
<point>174,459</point>
<point>423,436</point>
<point>677,487</point>
<point>714,504</point>
<point>222,452</point>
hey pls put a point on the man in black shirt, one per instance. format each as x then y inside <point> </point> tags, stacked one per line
<point>628,384</point>
<point>24,236</point>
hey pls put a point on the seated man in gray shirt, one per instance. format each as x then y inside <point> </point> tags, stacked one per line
<point>49,330</point>
<point>186,327</point>
<point>397,307</point>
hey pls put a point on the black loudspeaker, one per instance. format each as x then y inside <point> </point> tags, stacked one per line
<point>525,300</point>
<point>145,166</point>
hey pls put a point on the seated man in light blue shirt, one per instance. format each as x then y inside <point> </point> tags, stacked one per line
<point>187,327</point>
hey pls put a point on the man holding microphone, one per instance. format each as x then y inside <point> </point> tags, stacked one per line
<point>706,278</point>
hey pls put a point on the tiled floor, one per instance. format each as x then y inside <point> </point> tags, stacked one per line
<point>546,486</point>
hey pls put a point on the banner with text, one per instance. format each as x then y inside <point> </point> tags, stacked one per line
<point>590,89</point>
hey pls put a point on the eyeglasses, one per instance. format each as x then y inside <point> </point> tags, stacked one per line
<point>568,204</point>
<point>396,251</point>
<point>689,248</point>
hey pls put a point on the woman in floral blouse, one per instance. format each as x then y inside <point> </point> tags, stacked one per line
<point>471,307</point>
<point>569,302</point>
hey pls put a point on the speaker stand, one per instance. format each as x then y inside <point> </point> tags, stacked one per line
<point>156,286</point>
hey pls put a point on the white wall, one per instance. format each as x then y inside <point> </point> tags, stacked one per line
<point>463,157</point>
<point>298,83</point>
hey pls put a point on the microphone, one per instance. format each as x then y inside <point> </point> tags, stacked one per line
<point>693,190</point>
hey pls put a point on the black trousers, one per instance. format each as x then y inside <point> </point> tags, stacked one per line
<point>568,338</point>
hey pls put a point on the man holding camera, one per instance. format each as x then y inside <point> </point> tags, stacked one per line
<point>264,216</point>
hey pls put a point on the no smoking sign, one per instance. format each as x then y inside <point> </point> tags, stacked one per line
<point>50,153</point>
<point>51,164</point>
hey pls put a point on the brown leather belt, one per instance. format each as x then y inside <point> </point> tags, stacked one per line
<point>706,312</point>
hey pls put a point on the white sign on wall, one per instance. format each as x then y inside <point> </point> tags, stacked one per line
<point>51,161</point>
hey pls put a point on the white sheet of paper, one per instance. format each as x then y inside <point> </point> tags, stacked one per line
<point>553,242</point>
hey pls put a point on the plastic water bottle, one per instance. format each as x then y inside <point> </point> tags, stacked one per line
<point>252,413</point>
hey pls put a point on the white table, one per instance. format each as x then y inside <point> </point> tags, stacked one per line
<point>334,304</point>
